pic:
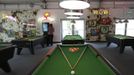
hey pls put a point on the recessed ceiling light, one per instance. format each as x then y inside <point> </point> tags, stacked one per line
<point>73,12</point>
<point>73,17</point>
<point>74,4</point>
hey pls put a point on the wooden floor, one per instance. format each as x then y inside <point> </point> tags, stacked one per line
<point>24,63</point>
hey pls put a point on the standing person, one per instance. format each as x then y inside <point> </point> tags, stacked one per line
<point>50,34</point>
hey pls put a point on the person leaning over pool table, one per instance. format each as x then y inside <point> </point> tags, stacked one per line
<point>50,34</point>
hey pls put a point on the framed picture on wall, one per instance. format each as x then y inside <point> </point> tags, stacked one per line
<point>94,32</point>
<point>104,29</point>
<point>91,23</point>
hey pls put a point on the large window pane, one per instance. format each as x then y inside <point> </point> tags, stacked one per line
<point>130,27</point>
<point>120,28</point>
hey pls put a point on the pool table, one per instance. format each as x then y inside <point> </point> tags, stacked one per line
<point>6,53</point>
<point>89,62</point>
<point>73,39</point>
<point>121,41</point>
<point>28,42</point>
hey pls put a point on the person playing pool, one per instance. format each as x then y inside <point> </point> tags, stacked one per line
<point>50,34</point>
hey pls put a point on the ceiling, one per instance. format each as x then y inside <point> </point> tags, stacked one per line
<point>40,1</point>
<point>24,1</point>
<point>121,4</point>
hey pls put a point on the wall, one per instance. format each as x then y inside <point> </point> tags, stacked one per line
<point>57,13</point>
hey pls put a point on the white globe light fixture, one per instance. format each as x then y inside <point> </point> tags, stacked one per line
<point>73,16</point>
<point>74,4</point>
<point>73,12</point>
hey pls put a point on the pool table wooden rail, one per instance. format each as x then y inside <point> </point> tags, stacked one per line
<point>73,41</point>
<point>6,53</point>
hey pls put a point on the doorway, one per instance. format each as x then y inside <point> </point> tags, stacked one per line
<point>73,27</point>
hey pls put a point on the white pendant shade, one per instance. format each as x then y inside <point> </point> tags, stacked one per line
<point>74,4</point>
<point>73,17</point>
<point>73,12</point>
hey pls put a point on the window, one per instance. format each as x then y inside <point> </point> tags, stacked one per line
<point>130,28</point>
<point>67,28</point>
<point>120,27</point>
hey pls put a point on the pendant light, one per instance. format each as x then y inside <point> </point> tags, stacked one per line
<point>74,4</point>
<point>73,17</point>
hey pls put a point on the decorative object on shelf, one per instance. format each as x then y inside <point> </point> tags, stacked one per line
<point>119,20</point>
<point>114,20</point>
<point>73,12</point>
<point>74,4</point>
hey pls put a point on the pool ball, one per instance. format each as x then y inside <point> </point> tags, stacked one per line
<point>72,72</point>
<point>70,49</point>
<point>73,50</point>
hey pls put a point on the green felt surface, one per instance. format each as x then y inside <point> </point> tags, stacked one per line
<point>122,37</point>
<point>72,37</point>
<point>88,65</point>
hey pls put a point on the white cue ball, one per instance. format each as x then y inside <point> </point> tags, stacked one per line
<point>72,72</point>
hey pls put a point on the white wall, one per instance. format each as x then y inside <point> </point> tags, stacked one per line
<point>57,14</point>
